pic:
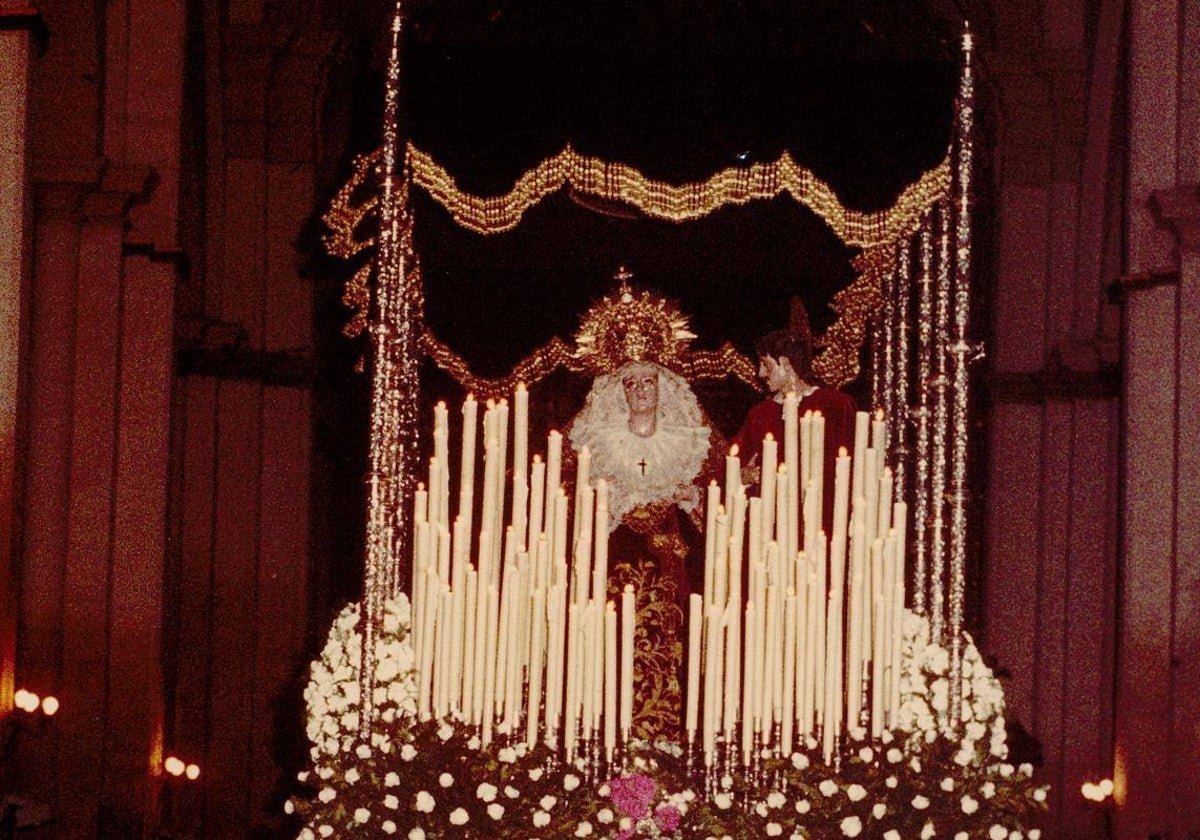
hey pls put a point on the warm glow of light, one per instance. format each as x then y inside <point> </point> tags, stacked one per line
<point>193,772</point>
<point>1106,787</point>
<point>173,765</point>
<point>1097,792</point>
<point>26,700</point>
<point>49,706</point>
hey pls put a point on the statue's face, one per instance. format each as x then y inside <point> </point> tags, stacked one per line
<point>773,373</point>
<point>641,389</point>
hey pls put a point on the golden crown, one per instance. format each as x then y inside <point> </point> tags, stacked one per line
<point>632,326</point>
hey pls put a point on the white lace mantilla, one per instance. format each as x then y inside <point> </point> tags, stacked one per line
<point>642,470</point>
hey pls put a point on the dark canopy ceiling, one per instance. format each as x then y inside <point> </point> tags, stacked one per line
<point>859,92</point>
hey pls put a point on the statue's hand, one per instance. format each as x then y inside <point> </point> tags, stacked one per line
<point>687,496</point>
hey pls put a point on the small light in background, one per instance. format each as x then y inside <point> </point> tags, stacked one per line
<point>26,700</point>
<point>1098,791</point>
<point>174,766</point>
<point>192,771</point>
<point>49,706</point>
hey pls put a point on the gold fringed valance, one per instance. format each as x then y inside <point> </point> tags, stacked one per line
<point>838,362</point>
<point>679,202</point>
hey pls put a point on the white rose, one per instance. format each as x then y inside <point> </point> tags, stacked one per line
<point>920,802</point>
<point>486,792</point>
<point>895,756</point>
<point>775,799</point>
<point>535,773</point>
<point>547,802</point>
<point>1035,834</point>
<point>856,792</point>
<point>774,829</point>
<point>866,754</point>
<point>417,833</point>
<point>927,830</point>
<point>722,800</point>
<point>947,784</point>
<point>361,815</point>
<point>583,829</point>
<point>388,827</point>
<point>969,805</point>
<point>570,782</point>
<point>327,794</point>
<point>891,834</point>
<point>325,830</point>
<point>604,816</point>
<point>997,832</point>
<point>879,811</point>
<point>458,816</point>
<point>799,761</point>
<point>508,755</point>
<point>851,826</point>
<point>362,751</point>
<point>828,787</point>
<point>408,752</point>
<point>541,819</point>
<point>351,775</point>
<point>391,801</point>
<point>803,806</point>
<point>445,780</point>
<point>962,835</point>
<point>425,802</point>
<point>495,810</point>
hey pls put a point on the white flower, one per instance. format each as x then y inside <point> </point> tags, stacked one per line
<point>547,802</point>
<point>351,775</point>
<point>1035,834</point>
<point>969,805</point>
<point>1026,769</point>
<point>1014,835</point>
<point>445,780</point>
<point>988,790</point>
<point>445,731</point>
<point>1039,794</point>
<point>722,800</point>
<point>511,792</point>
<point>391,780</point>
<point>803,806</point>
<point>920,802</point>
<point>391,801</point>
<point>327,794</point>
<point>799,761</point>
<point>1006,770</point>
<point>604,816</point>
<point>424,802</point>
<point>828,787</point>
<point>927,830</point>
<point>962,835</point>
<point>891,834</point>
<point>417,833</point>
<point>866,754</point>
<point>486,791</point>
<point>856,792</point>
<point>761,809</point>
<point>570,781</point>
<point>387,827</point>
<point>306,834</point>
<point>535,773</point>
<point>495,810</point>
<point>325,830</point>
<point>541,819</point>
<point>997,832</point>
<point>362,751</point>
<point>508,755</point>
<point>774,829</point>
<point>459,816</point>
<point>890,781</point>
<point>851,826</point>
<point>879,810</point>
<point>583,829</point>
<point>775,799</point>
<point>361,815</point>
<point>408,752</point>
<point>947,784</point>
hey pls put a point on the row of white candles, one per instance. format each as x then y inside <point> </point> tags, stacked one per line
<point>789,661</point>
<point>507,631</point>
<point>503,635</point>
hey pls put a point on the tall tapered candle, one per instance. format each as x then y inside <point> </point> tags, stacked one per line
<point>791,457</point>
<point>770,463</point>
<point>610,679</point>
<point>520,460</point>
<point>627,628</point>
<point>466,480</point>
<point>536,656</point>
<point>583,542</point>
<point>789,674</point>
<point>695,620</point>
<point>489,655</point>
<point>600,550</point>
<point>537,499</point>
<point>554,444</point>
<point>467,671</point>
<point>861,442</point>
<point>712,504</point>
<point>883,520</point>
<point>583,470</point>
<point>879,440</point>
<point>749,685</point>
<point>733,475</point>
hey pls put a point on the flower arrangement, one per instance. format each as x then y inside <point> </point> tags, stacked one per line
<point>429,779</point>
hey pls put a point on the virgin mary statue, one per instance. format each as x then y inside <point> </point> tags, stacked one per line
<point>648,438</point>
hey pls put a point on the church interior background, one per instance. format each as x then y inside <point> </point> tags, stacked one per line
<point>183,435</point>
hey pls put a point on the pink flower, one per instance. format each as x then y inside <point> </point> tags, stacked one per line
<point>632,795</point>
<point>667,817</point>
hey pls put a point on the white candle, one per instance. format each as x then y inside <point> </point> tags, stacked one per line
<point>861,420</point>
<point>583,479</point>
<point>806,466</point>
<point>627,628</point>
<point>749,686</point>
<point>534,709</point>
<point>521,463</point>
<point>467,673</point>
<point>466,480</point>
<point>769,466</point>
<point>789,675</point>
<point>695,630</point>
<point>733,475</point>
<point>583,542</point>
<point>600,551</point>
<point>554,445</point>
<point>537,499</point>
<point>791,457</point>
<point>712,504</point>
<point>879,434</point>
<point>610,679</point>
<point>489,680</point>
<point>883,518</point>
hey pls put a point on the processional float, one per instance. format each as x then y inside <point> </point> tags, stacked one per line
<point>513,637</point>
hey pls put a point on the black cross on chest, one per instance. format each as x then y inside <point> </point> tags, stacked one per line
<point>642,464</point>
